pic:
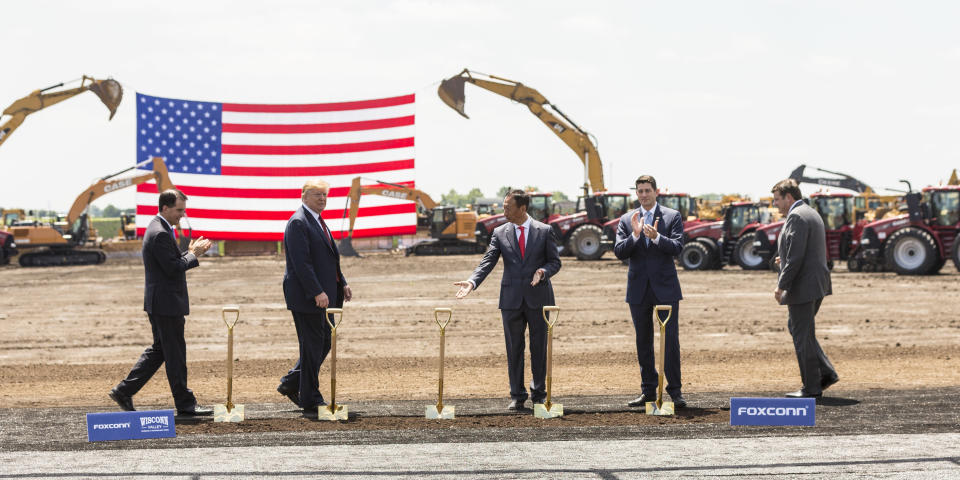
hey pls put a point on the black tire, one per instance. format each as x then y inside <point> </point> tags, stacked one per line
<point>716,260</point>
<point>854,264</point>
<point>746,255</point>
<point>585,242</point>
<point>911,251</point>
<point>696,256</point>
<point>956,252</point>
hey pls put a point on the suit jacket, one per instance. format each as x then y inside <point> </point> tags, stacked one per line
<point>313,264</point>
<point>540,252</point>
<point>652,266</point>
<point>802,248</point>
<point>165,269</point>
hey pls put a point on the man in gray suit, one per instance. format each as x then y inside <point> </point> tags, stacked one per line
<point>803,281</point>
<point>530,259</point>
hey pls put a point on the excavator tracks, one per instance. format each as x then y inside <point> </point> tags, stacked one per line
<point>56,258</point>
<point>445,247</point>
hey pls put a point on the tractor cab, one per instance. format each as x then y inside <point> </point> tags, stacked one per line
<point>942,206</point>
<point>448,223</point>
<point>604,205</point>
<point>738,216</point>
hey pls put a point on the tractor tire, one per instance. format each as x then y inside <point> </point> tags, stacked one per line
<point>713,248</point>
<point>956,253</point>
<point>696,256</point>
<point>585,242</point>
<point>911,251</point>
<point>745,254</point>
<point>854,264</point>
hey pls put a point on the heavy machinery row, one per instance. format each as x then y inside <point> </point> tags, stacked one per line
<point>911,233</point>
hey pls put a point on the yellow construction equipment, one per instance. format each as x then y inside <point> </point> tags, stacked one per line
<point>451,91</point>
<point>109,91</point>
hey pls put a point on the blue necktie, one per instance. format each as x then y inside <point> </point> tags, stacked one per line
<point>646,219</point>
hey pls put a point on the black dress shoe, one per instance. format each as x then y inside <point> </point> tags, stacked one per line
<point>516,405</point>
<point>803,394</point>
<point>125,402</point>
<point>826,382</point>
<point>195,412</point>
<point>290,393</point>
<point>679,401</point>
<point>641,400</point>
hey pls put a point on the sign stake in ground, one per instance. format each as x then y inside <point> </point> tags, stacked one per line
<point>229,412</point>
<point>660,407</point>
<point>548,409</point>
<point>333,411</point>
<point>441,411</point>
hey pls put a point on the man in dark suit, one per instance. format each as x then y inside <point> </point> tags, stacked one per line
<point>530,259</point>
<point>166,302</point>
<point>312,282</point>
<point>803,281</point>
<point>650,237</point>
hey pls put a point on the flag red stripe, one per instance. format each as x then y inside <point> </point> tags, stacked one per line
<point>275,215</point>
<point>318,127</point>
<point>278,236</point>
<point>317,149</point>
<point>317,171</point>
<point>192,191</point>
<point>319,107</point>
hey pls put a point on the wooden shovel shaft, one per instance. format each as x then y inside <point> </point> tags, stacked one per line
<point>440,383</point>
<point>229,368</point>
<point>548,403</point>
<point>333,369</point>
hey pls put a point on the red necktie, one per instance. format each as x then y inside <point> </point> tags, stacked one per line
<point>523,243</point>
<point>325,229</point>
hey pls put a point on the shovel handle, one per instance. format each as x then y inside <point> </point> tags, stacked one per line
<point>333,312</point>
<point>230,309</point>
<point>551,308</point>
<point>436,316</point>
<point>662,308</point>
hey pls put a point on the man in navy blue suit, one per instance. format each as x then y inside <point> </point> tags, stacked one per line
<point>650,237</point>
<point>312,282</point>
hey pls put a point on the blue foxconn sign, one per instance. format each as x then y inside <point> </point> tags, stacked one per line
<point>799,412</point>
<point>130,425</point>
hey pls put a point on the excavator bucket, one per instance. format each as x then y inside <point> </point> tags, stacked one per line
<point>451,92</point>
<point>110,93</point>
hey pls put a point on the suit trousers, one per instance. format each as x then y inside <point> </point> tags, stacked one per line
<point>643,325</point>
<point>515,322</point>
<point>814,364</point>
<point>313,335</point>
<point>168,348</point>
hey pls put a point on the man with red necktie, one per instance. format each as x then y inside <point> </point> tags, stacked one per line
<point>530,259</point>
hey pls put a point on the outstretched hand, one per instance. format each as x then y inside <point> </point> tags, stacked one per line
<point>465,288</point>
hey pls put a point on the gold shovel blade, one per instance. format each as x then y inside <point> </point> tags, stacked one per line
<point>446,414</point>
<point>540,410</point>
<point>666,408</point>
<point>324,413</point>
<point>234,415</point>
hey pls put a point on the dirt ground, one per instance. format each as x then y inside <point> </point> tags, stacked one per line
<point>67,335</point>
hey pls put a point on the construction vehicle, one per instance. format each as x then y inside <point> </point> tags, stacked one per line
<point>451,231</point>
<point>8,247</point>
<point>711,245</point>
<point>918,242</point>
<point>681,202</point>
<point>845,181</point>
<point>540,209</point>
<point>580,234</point>
<point>109,91</point>
<point>485,207</point>
<point>69,242</point>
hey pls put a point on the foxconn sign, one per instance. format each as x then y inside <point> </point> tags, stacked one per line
<point>130,425</point>
<point>800,412</point>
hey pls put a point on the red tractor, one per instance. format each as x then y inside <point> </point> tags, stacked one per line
<point>540,209</point>
<point>711,245</point>
<point>681,202</point>
<point>580,233</point>
<point>758,250</point>
<point>917,243</point>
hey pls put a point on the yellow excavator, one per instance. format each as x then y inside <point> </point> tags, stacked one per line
<point>68,243</point>
<point>109,91</point>
<point>451,91</point>
<point>452,232</point>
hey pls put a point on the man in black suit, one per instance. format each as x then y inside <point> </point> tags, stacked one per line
<point>803,281</point>
<point>650,237</point>
<point>312,282</point>
<point>166,302</point>
<point>530,259</point>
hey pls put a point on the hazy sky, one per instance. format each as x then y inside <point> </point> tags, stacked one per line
<point>707,96</point>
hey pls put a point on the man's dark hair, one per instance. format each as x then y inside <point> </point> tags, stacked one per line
<point>647,179</point>
<point>169,198</point>
<point>788,186</point>
<point>520,198</point>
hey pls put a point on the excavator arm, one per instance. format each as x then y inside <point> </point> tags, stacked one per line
<point>109,91</point>
<point>385,189</point>
<point>110,183</point>
<point>451,91</point>
<point>846,181</point>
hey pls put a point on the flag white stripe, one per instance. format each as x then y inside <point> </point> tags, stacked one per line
<point>261,226</point>
<point>333,138</point>
<point>267,204</point>
<point>306,118</point>
<point>336,181</point>
<point>319,160</point>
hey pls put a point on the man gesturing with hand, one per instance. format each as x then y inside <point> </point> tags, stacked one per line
<point>530,259</point>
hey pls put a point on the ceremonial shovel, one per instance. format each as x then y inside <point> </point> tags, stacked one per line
<point>548,409</point>
<point>439,411</point>
<point>660,407</point>
<point>333,411</point>
<point>229,412</point>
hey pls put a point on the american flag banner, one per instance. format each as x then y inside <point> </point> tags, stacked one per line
<point>242,165</point>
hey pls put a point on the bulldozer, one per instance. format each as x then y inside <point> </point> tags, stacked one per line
<point>109,91</point>
<point>71,242</point>
<point>451,231</point>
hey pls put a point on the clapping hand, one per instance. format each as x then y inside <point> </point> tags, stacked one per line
<point>199,246</point>
<point>635,223</point>
<point>651,230</point>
